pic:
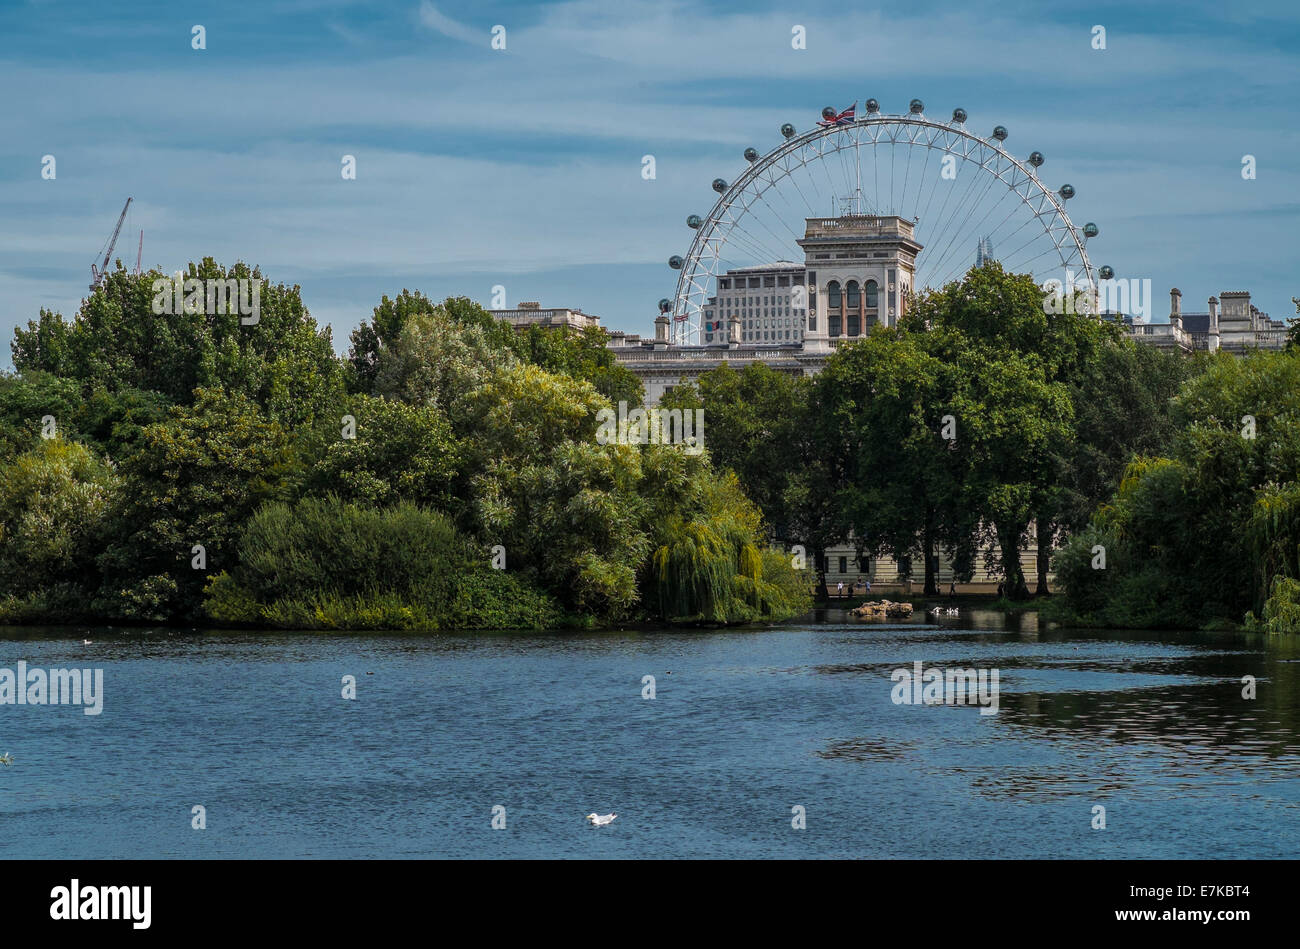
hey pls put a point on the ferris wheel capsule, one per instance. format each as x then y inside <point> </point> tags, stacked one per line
<point>1066,192</point>
<point>916,107</point>
<point>1106,272</point>
<point>1091,230</point>
<point>693,221</point>
<point>665,305</point>
<point>675,262</point>
<point>872,107</point>
<point>829,113</point>
<point>1000,132</point>
<point>1036,159</point>
<point>719,185</point>
<point>751,154</point>
<point>787,130</point>
<point>959,116</point>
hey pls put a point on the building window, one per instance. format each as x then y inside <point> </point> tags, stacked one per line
<point>873,300</point>
<point>833,292</point>
<point>844,565</point>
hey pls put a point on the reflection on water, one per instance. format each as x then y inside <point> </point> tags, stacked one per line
<point>744,725</point>
<point>867,749</point>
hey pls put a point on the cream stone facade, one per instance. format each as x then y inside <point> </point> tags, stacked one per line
<point>532,314</point>
<point>1231,323</point>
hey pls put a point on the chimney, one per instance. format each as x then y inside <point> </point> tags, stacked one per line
<point>661,330</point>
<point>1214,324</point>
<point>1176,307</point>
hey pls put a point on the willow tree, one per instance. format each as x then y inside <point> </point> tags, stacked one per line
<point>707,565</point>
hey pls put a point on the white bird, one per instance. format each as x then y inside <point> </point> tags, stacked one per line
<point>953,611</point>
<point>6,758</point>
<point>87,642</point>
<point>600,820</point>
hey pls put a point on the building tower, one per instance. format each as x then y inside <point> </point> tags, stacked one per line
<point>860,268</point>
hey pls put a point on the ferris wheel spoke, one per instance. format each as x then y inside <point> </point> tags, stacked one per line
<point>1032,238</point>
<point>972,227</point>
<point>953,228</point>
<point>907,174</point>
<point>972,187</point>
<point>1025,264</point>
<point>920,188</point>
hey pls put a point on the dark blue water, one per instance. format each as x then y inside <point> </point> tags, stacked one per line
<point>748,725</point>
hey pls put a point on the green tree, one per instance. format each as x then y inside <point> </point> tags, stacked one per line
<point>25,400</point>
<point>398,452</point>
<point>750,418</point>
<point>54,504</point>
<point>194,481</point>
<point>283,362</point>
<point>1201,536</point>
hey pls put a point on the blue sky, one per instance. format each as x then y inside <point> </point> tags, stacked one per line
<point>478,167</point>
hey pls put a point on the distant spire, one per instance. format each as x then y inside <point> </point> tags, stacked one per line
<point>983,251</point>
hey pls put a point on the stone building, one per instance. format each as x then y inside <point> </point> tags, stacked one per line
<point>769,300</point>
<point>1231,323</point>
<point>532,314</point>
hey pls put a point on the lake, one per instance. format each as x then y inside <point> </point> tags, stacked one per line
<point>744,726</point>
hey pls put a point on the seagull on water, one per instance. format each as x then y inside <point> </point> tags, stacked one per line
<point>6,758</point>
<point>600,820</point>
<point>87,642</point>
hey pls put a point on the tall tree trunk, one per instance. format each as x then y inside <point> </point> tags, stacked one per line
<point>931,562</point>
<point>1009,542</point>
<point>1045,532</point>
<point>823,593</point>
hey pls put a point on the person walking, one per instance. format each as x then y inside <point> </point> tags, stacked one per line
<point>839,589</point>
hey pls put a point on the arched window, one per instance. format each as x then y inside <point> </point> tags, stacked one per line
<point>851,291</point>
<point>833,291</point>
<point>872,295</point>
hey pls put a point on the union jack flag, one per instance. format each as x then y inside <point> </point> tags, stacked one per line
<point>844,118</point>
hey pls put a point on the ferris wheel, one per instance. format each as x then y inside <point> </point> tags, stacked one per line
<point>966,195</point>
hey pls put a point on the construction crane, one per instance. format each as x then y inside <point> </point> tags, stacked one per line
<point>102,271</point>
<point>139,253</point>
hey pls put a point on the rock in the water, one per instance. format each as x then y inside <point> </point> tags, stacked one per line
<point>879,609</point>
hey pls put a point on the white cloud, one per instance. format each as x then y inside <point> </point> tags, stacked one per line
<point>435,19</point>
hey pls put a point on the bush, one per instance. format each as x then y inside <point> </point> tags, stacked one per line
<point>54,501</point>
<point>329,564</point>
